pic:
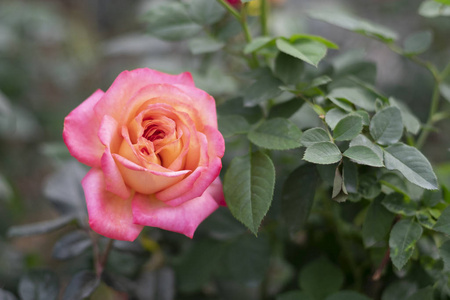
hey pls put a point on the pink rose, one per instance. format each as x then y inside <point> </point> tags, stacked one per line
<point>155,152</point>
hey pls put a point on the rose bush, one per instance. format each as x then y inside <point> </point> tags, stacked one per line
<point>155,151</point>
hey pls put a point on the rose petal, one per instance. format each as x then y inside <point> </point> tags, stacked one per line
<point>109,136</point>
<point>109,215</point>
<point>185,218</point>
<point>216,191</point>
<point>129,82</point>
<point>80,132</point>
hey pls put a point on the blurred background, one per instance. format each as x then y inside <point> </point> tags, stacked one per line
<point>55,53</point>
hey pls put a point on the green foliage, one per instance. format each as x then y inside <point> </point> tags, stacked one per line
<point>276,134</point>
<point>377,223</point>
<point>309,51</point>
<point>39,285</point>
<point>386,126</point>
<point>402,241</point>
<point>323,153</point>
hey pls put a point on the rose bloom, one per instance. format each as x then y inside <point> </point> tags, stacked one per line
<point>155,152</point>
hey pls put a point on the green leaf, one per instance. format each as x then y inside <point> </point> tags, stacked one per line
<point>402,241</point>
<point>317,38</point>
<point>377,223</point>
<point>364,156</point>
<point>354,95</point>
<point>443,223</point>
<point>321,278</point>
<point>248,187</point>
<point>310,52</point>
<point>288,68</point>
<point>39,285</point>
<point>350,175</point>
<point>444,251</point>
<point>266,87</point>
<point>333,117</point>
<point>81,286</point>
<point>170,21</point>
<point>324,153</point>
<point>395,182</point>
<point>232,125</point>
<point>422,294</point>
<point>417,42</point>
<point>411,122</point>
<point>39,228</point>
<point>412,164</point>
<point>432,9</point>
<point>431,198</point>
<point>362,140</point>
<point>396,203</point>
<point>347,295</point>
<point>294,295</point>
<point>313,136</point>
<point>258,43</point>
<point>298,196</point>
<point>339,193</point>
<point>386,126</point>
<point>444,88</point>
<point>205,12</point>
<point>425,219</point>
<point>235,106</point>
<point>276,134</point>
<point>356,24</point>
<point>285,109</point>
<point>400,289</point>
<point>205,44</point>
<point>369,187</point>
<point>348,128</point>
<point>71,245</point>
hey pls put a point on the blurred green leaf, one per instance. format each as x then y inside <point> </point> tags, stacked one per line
<point>288,68</point>
<point>171,21</point>
<point>205,12</point>
<point>356,24</point>
<point>443,223</point>
<point>119,282</point>
<point>259,43</point>
<point>400,289</point>
<point>386,126</point>
<point>444,88</point>
<point>417,42</point>
<point>350,175</point>
<point>348,128</point>
<point>425,219</point>
<point>41,227</point>
<point>265,87</point>
<point>310,52</point>
<point>39,285</point>
<point>317,38</point>
<point>397,204</point>
<point>347,295</point>
<point>313,136</point>
<point>321,278</point>
<point>377,223</point>
<point>248,187</point>
<point>410,121</point>
<point>433,8</point>
<point>276,134</point>
<point>324,153</point>
<point>294,295</point>
<point>81,286</point>
<point>412,164</point>
<point>157,284</point>
<point>422,294</point>
<point>71,245</point>
<point>235,106</point>
<point>402,241</point>
<point>354,95</point>
<point>298,196</point>
<point>232,125</point>
<point>285,109</point>
<point>369,187</point>
<point>431,198</point>
<point>364,156</point>
<point>444,252</point>
<point>205,44</point>
<point>333,117</point>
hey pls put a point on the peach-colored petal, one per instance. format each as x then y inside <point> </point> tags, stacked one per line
<point>109,136</point>
<point>80,132</point>
<point>185,218</point>
<point>109,215</point>
<point>129,82</point>
<point>147,181</point>
<point>207,171</point>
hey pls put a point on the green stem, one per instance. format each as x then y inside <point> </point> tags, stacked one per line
<point>230,9</point>
<point>433,109</point>
<point>263,17</point>
<point>248,37</point>
<point>445,72</point>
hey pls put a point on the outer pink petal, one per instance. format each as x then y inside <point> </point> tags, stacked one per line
<point>129,82</point>
<point>196,183</point>
<point>216,191</point>
<point>185,218</point>
<point>109,136</point>
<point>109,215</point>
<point>80,132</point>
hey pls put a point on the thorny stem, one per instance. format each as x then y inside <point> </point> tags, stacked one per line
<point>99,260</point>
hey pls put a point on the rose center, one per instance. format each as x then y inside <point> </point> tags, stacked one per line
<point>153,133</point>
